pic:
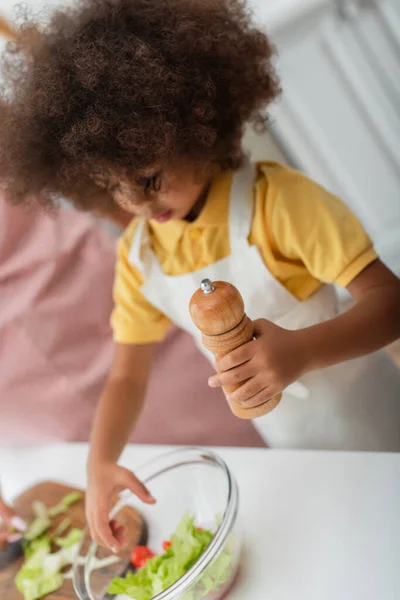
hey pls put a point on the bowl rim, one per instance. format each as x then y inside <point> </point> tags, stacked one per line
<point>228,519</point>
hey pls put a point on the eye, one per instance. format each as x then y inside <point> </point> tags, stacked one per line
<point>157,182</point>
<point>152,184</point>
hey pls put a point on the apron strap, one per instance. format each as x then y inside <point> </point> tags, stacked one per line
<point>240,219</point>
<point>241,205</point>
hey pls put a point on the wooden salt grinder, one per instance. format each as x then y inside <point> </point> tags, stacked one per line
<point>217,309</point>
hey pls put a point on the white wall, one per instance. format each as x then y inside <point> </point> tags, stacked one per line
<point>339,117</point>
<point>263,147</point>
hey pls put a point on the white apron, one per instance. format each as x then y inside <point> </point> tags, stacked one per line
<point>351,406</point>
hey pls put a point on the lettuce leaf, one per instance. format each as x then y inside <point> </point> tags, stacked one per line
<point>32,581</point>
<point>43,515</point>
<point>187,544</point>
<point>62,527</point>
<point>41,572</point>
<point>37,527</point>
<point>33,588</point>
<point>73,537</point>
<point>40,509</point>
<point>65,503</point>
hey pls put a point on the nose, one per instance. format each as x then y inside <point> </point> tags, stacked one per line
<point>144,207</point>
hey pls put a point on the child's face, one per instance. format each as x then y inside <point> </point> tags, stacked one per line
<point>161,194</point>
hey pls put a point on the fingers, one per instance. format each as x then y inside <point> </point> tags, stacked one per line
<point>119,532</point>
<point>4,537</point>
<point>259,327</point>
<point>18,523</point>
<point>128,480</point>
<point>252,393</point>
<point>236,357</point>
<point>111,535</point>
<point>105,534</point>
<point>234,376</point>
<point>7,514</point>
<point>263,327</point>
<point>99,524</point>
<point>13,526</point>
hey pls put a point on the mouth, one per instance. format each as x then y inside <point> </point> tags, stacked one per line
<point>163,217</point>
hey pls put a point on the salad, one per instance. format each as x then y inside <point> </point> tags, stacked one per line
<point>153,573</point>
<point>46,555</point>
<point>49,550</point>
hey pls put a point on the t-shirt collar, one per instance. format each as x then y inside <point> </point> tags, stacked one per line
<point>213,214</point>
<point>215,210</point>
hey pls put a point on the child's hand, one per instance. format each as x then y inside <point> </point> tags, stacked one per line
<point>11,526</point>
<point>264,366</point>
<point>105,480</point>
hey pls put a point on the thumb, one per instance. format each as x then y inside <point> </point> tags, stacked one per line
<point>128,480</point>
<point>9,518</point>
<point>6,513</point>
<point>262,327</point>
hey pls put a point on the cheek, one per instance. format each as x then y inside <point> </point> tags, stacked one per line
<point>183,198</point>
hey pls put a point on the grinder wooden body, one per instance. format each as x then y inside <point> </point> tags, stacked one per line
<point>217,309</point>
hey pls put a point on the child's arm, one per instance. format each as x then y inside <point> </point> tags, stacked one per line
<point>117,414</point>
<point>279,356</point>
<point>370,325</point>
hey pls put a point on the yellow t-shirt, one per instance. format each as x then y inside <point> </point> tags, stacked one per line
<point>305,235</point>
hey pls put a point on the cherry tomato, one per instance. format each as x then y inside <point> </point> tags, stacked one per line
<point>140,556</point>
<point>166,545</point>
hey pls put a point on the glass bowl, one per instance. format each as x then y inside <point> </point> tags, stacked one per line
<point>189,481</point>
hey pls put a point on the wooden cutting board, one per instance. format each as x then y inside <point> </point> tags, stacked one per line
<point>50,493</point>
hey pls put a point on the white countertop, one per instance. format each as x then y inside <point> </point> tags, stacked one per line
<point>317,525</point>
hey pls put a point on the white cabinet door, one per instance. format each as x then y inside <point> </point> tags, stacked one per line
<point>339,118</point>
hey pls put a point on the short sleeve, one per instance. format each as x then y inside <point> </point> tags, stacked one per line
<point>311,225</point>
<point>134,320</point>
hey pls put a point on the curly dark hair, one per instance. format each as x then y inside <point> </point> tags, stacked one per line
<point>125,84</point>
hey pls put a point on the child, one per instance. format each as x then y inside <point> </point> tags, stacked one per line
<point>142,105</point>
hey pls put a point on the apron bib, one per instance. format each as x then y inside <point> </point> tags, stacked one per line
<point>352,406</point>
